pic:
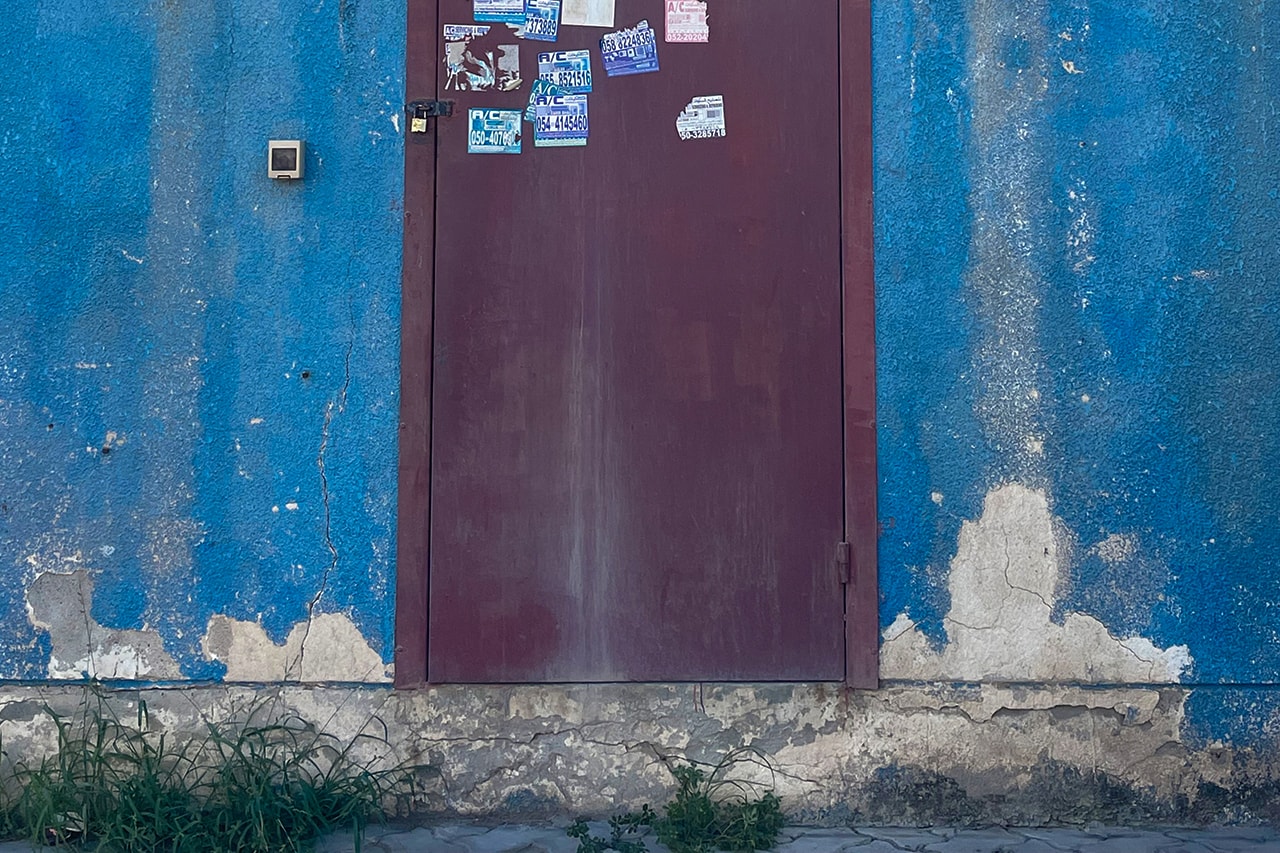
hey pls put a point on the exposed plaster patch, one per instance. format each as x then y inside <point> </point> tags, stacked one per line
<point>61,604</point>
<point>330,649</point>
<point>1116,549</point>
<point>1003,585</point>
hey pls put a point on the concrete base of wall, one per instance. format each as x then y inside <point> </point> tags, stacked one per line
<point>906,754</point>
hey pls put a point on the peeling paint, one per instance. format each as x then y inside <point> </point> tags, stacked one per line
<point>328,648</point>
<point>1004,581</point>
<point>61,604</point>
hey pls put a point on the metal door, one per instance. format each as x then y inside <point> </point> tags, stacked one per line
<point>635,410</point>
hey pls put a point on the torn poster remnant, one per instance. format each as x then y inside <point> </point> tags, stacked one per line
<point>633,50</point>
<point>703,118</point>
<point>475,65</point>
<point>587,13</point>
<point>494,131</point>
<point>687,22</point>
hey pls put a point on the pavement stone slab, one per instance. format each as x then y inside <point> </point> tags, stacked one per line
<point>991,840</point>
<point>824,841</point>
<point>907,838</point>
<point>1233,839</point>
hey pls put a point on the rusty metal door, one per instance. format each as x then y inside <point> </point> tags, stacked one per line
<point>636,429</point>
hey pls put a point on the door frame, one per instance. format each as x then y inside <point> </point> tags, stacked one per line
<point>862,624</point>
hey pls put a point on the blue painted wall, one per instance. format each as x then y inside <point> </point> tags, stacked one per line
<point>1076,198</point>
<point>1082,198</point>
<point>230,341</point>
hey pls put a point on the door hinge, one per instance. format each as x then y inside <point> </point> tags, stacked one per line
<point>843,561</point>
<point>420,113</point>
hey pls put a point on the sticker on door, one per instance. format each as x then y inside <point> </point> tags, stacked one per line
<point>630,51</point>
<point>687,22</point>
<point>506,11</point>
<point>568,69</point>
<point>494,131</point>
<point>703,118</point>
<point>560,121</point>
<point>542,20</point>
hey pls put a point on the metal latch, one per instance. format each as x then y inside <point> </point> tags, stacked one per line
<point>421,111</point>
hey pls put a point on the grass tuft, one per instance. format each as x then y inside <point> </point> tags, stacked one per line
<point>713,809</point>
<point>262,783</point>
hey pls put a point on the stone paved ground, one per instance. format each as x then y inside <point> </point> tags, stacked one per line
<point>468,838</point>
<point>461,838</point>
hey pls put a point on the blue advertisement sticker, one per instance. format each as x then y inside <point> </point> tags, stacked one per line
<point>493,132</point>
<point>568,69</point>
<point>540,87</point>
<point>542,20</point>
<point>561,121</point>
<point>630,51</point>
<point>507,11</point>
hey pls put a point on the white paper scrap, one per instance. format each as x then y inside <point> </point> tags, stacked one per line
<point>587,13</point>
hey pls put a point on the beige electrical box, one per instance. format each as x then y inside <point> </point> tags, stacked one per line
<point>285,158</point>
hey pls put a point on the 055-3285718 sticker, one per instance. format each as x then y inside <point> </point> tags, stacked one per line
<point>703,118</point>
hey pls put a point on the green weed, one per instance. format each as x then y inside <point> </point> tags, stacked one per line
<point>262,783</point>
<point>713,809</point>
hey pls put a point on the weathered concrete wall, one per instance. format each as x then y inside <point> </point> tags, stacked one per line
<point>198,366</point>
<point>903,755</point>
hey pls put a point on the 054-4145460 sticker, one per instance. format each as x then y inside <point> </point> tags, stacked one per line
<point>560,121</point>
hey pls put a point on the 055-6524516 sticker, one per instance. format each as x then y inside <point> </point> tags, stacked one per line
<point>568,69</point>
<point>630,51</point>
<point>703,118</point>
<point>561,121</point>
<point>493,131</point>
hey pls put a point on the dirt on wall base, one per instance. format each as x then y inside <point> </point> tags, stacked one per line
<point>902,755</point>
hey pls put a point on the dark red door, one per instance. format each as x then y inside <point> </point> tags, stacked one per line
<point>636,406</point>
